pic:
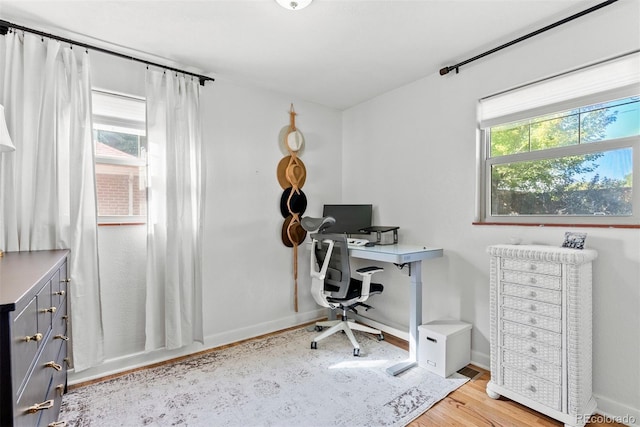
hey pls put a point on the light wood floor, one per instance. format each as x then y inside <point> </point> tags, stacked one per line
<point>471,406</point>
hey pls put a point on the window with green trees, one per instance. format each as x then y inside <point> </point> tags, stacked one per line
<point>578,162</point>
<point>564,149</point>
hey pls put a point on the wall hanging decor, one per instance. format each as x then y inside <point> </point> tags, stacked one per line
<point>292,174</point>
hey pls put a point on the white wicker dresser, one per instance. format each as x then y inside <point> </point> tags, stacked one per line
<point>540,329</point>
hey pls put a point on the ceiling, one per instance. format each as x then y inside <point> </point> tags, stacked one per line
<point>337,53</point>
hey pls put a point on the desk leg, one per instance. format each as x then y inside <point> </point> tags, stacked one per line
<point>415,319</point>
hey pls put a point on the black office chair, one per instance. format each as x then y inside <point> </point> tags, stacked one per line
<point>332,286</point>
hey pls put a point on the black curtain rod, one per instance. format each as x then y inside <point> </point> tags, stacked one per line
<point>5,25</point>
<point>456,67</point>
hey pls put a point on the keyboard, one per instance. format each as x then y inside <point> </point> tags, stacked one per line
<point>357,242</point>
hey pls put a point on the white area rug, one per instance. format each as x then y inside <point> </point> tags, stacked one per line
<point>274,381</point>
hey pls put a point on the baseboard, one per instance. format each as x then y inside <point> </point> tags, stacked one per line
<point>481,360</point>
<point>611,410</point>
<point>142,359</point>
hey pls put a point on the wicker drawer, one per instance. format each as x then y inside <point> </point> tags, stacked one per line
<point>532,293</point>
<point>529,319</point>
<point>546,371</point>
<point>533,307</point>
<point>533,349</point>
<point>531,333</point>
<point>534,388</point>
<point>532,279</point>
<point>549,268</point>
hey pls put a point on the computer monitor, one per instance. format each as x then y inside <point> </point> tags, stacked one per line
<point>350,219</point>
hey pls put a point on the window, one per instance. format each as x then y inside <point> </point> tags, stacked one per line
<point>573,161</point>
<point>119,135</point>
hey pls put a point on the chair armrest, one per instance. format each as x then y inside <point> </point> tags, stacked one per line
<point>368,271</point>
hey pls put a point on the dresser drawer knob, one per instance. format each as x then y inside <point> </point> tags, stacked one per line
<point>40,406</point>
<point>532,294</point>
<point>531,388</point>
<point>533,320</point>
<point>533,267</point>
<point>57,424</point>
<point>533,367</point>
<point>533,350</point>
<point>49,310</point>
<point>532,334</point>
<point>61,293</point>
<point>65,281</point>
<point>53,365</point>
<point>532,280</point>
<point>532,307</point>
<point>61,337</point>
<point>36,337</point>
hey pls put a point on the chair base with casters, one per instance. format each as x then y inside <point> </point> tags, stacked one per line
<point>347,326</point>
<point>334,288</point>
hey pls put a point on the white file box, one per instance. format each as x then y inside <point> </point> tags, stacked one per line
<point>445,346</point>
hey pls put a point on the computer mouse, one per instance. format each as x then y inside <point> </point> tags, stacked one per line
<point>369,244</point>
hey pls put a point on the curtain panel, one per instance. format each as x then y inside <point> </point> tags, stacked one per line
<point>47,185</point>
<point>176,192</point>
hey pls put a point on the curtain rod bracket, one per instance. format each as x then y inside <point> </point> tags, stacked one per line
<point>457,66</point>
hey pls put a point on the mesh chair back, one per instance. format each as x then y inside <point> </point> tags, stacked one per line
<point>338,274</point>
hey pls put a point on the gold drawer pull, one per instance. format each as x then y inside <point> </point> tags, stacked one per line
<point>65,281</point>
<point>49,310</point>
<point>36,337</point>
<point>57,424</point>
<point>60,389</point>
<point>53,365</point>
<point>61,293</point>
<point>65,318</point>
<point>40,406</point>
<point>61,337</point>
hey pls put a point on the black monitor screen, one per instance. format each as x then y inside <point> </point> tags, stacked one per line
<point>350,219</point>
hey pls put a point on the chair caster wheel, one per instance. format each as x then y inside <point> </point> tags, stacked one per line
<point>356,352</point>
<point>318,328</point>
<point>314,345</point>
<point>380,337</point>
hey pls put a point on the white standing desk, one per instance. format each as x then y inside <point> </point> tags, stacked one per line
<point>411,255</point>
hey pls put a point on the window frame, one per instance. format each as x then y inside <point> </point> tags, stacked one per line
<point>487,162</point>
<point>597,83</point>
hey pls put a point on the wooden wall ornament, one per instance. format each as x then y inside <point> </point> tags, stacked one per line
<point>292,174</point>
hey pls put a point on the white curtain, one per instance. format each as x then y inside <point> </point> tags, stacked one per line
<point>47,185</point>
<point>175,212</point>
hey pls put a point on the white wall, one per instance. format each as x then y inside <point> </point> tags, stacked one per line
<point>419,142</point>
<point>248,272</point>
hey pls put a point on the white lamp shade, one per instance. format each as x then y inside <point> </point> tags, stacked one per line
<point>5,139</point>
<point>294,4</point>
